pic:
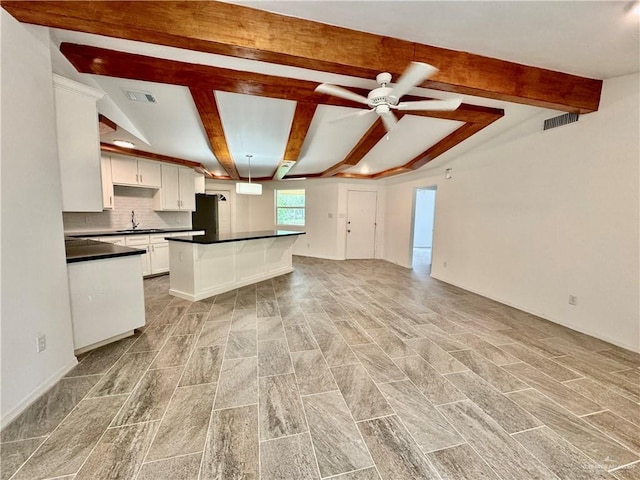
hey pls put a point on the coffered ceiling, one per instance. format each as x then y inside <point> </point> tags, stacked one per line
<point>230,81</point>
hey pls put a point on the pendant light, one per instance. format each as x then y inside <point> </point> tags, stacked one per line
<point>248,188</point>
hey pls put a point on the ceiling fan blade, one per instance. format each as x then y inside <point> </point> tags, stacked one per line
<point>340,92</point>
<point>415,73</point>
<point>434,105</point>
<point>389,120</point>
<point>359,113</point>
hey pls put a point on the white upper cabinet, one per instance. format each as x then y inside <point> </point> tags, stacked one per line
<point>149,174</point>
<point>178,189</point>
<point>187,189</point>
<point>107,184</point>
<point>136,173</point>
<point>78,145</point>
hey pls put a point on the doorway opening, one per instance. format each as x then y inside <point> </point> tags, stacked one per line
<point>423,225</point>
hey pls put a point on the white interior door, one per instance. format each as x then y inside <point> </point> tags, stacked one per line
<point>361,224</point>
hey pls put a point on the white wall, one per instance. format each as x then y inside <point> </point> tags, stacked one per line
<point>423,228</point>
<point>35,294</point>
<point>325,215</point>
<point>248,212</point>
<point>534,216</point>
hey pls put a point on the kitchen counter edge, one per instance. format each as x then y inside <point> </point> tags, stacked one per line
<point>236,237</point>
<point>84,250</point>
<point>108,233</point>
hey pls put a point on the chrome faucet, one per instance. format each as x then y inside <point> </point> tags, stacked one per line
<point>134,224</point>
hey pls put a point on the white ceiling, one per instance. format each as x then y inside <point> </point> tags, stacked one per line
<point>594,39</point>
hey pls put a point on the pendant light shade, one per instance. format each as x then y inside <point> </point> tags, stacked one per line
<point>248,188</point>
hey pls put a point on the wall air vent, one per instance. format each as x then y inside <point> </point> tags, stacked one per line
<point>560,120</point>
<point>137,96</point>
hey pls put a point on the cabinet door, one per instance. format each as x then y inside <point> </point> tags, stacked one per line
<point>187,190</point>
<point>170,189</point>
<point>107,183</point>
<point>124,171</point>
<point>160,257</point>
<point>149,174</point>
<point>141,242</point>
<point>78,146</point>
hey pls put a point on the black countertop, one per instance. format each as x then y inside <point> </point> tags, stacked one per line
<point>137,231</point>
<point>233,237</point>
<point>83,250</point>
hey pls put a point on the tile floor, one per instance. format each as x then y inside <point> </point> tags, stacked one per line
<point>347,370</point>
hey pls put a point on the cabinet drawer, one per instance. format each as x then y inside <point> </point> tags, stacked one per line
<point>137,241</point>
<point>158,238</point>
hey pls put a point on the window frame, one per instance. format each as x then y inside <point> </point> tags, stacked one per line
<point>277,208</point>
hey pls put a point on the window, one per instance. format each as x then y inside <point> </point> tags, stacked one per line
<point>290,207</point>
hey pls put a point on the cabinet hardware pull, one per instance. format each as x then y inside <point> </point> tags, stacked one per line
<point>137,178</point>
<point>140,178</point>
<point>110,200</point>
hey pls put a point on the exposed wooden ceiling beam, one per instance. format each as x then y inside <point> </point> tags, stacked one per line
<point>369,140</point>
<point>101,61</point>
<point>210,116</point>
<point>105,125</point>
<point>299,127</point>
<point>244,32</point>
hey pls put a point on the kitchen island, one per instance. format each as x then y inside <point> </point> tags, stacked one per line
<point>206,265</point>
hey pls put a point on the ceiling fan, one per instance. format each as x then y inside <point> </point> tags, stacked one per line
<point>384,99</point>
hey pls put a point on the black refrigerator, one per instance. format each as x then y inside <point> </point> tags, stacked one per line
<point>205,217</point>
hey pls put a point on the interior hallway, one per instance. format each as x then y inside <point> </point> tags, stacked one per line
<point>342,369</point>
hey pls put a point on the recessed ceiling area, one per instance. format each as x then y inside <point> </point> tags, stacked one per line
<point>330,139</point>
<point>258,126</point>
<point>413,136</point>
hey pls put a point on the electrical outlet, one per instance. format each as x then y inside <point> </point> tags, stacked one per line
<point>573,300</point>
<point>41,342</point>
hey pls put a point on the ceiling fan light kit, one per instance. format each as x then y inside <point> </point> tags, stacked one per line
<point>384,99</point>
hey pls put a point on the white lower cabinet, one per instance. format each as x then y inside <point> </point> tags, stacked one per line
<point>156,260</point>
<point>141,242</point>
<point>159,252</point>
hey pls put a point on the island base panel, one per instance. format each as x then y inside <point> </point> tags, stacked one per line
<point>201,271</point>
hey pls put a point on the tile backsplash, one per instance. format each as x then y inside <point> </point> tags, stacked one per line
<point>126,199</point>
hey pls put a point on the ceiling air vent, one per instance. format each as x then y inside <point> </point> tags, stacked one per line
<point>560,120</point>
<point>137,96</point>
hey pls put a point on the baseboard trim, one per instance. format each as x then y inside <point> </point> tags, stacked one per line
<point>35,394</point>
<point>324,257</point>
<point>586,331</point>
